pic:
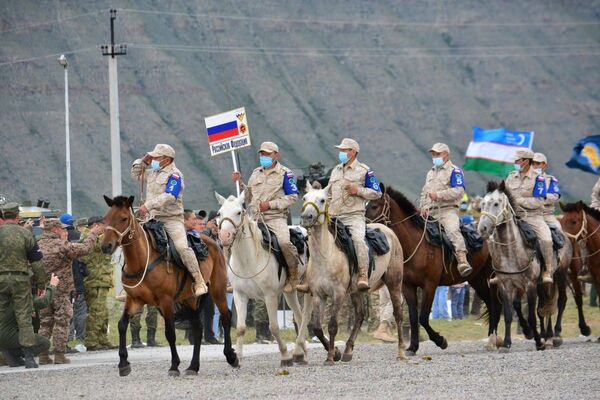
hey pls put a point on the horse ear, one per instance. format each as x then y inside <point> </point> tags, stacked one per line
<point>220,198</point>
<point>580,205</point>
<point>130,201</point>
<point>108,200</point>
<point>561,205</point>
<point>242,197</point>
<point>308,186</point>
<point>502,186</point>
<point>382,186</point>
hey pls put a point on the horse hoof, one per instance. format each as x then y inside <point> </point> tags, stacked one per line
<point>124,371</point>
<point>557,341</point>
<point>174,372</point>
<point>410,353</point>
<point>499,342</point>
<point>585,330</point>
<point>286,363</point>
<point>503,350</point>
<point>190,372</point>
<point>347,357</point>
<point>338,355</point>
<point>444,344</point>
<point>235,363</point>
<point>299,359</point>
<point>490,347</point>
<point>540,347</point>
<point>328,363</point>
<point>528,334</point>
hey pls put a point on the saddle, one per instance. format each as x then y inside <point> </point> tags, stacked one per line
<point>558,239</point>
<point>374,238</point>
<point>296,237</point>
<point>434,236</point>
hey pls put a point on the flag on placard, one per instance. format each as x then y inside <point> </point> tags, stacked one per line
<point>586,155</point>
<point>492,151</point>
<point>227,131</point>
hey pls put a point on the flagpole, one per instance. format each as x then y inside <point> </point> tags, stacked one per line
<point>235,168</point>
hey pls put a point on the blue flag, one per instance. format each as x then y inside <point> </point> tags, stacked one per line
<point>586,155</point>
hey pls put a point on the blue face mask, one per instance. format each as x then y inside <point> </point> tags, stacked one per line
<point>343,156</point>
<point>155,164</point>
<point>517,167</point>
<point>265,161</point>
<point>437,161</point>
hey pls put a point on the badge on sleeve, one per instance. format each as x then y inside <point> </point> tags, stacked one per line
<point>371,181</point>
<point>289,184</point>
<point>457,178</point>
<point>174,185</point>
<point>554,188</point>
<point>539,189</point>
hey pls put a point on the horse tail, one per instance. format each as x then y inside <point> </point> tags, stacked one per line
<point>550,298</point>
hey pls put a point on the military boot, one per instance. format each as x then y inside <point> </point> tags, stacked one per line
<point>384,333</point>
<point>12,358</point>
<point>136,342</point>
<point>151,338</point>
<point>200,287</point>
<point>45,358</point>
<point>584,275</point>
<point>362,283</point>
<point>60,358</point>
<point>291,260</point>
<point>29,360</point>
<point>547,277</point>
<point>493,281</point>
<point>464,269</point>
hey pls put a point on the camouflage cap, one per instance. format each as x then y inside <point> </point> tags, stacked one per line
<point>9,210</point>
<point>50,224</point>
<point>269,147</point>
<point>523,153</point>
<point>94,220</point>
<point>540,157</point>
<point>81,222</point>
<point>350,144</point>
<point>162,149</point>
<point>440,147</point>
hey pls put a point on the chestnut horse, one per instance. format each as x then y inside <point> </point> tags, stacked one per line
<point>150,279</point>
<point>424,263</point>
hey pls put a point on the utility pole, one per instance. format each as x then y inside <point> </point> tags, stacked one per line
<point>62,60</point>
<point>113,82</point>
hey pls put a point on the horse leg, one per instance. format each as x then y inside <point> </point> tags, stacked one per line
<point>271,302</point>
<point>220,300</point>
<point>124,366</point>
<point>333,353</point>
<point>494,319</point>
<point>428,294</point>
<point>531,304</point>
<point>359,316</point>
<point>196,324</point>
<point>578,296</point>
<point>292,301</point>
<point>396,298</point>
<point>168,313</point>
<point>561,282</point>
<point>410,296</point>
<point>508,315</point>
<point>300,350</point>
<point>522,321</point>
<point>241,307</point>
<point>319,307</point>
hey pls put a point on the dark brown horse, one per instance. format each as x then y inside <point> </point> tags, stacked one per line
<point>149,279</point>
<point>424,263</point>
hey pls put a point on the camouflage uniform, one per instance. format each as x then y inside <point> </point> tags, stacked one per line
<point>277,186</point>
<point>58,256</point>
<point>97,284</point>
<point>447,182</point>
<point>151,324</point>
<point>596,196</point>
<point>350,209</point>
<point>19,261</point>
<point>164,201</point>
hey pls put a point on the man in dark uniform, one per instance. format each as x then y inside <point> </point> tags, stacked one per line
<point>20,258</point>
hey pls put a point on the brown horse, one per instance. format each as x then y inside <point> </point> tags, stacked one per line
<point>149,279</point>
<point>424,264</point>
<point>582,224</point>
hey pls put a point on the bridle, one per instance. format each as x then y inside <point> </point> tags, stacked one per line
<point>505,212</point>
<point>583,231</point>
<point>130,230</point>
<point>384,216</point>
<point>236,226</point>
<point>324,213</point>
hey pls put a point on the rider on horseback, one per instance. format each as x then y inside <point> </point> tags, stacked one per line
<point>596,196</point>
<point>271,191</point>
<point>528,188</point>
<point>440,197</point>
<point>164,202</point>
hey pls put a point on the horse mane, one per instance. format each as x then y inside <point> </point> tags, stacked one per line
<point>120,201</point>
<point>405,205</point>
<point>501,187</point>
<point>580,205</point>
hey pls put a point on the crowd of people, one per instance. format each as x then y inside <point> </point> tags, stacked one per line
<point>63,277</point>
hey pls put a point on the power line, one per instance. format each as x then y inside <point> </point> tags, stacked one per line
<point>363,22</point>
<point>24,60</point>
<point>51,22</point>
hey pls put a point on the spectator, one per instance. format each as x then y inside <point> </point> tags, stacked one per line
<point>457,293</point>
<point>440,304</point>
<point>386,317</point>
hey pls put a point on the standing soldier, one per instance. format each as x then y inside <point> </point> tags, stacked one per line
<point>97,284</point>
<point>440,198</point>
<point>19,259</point>
<point>151,325</point>
<point>164,202</point>
<point>271,191</point>
<point>529,190</point>
<point>58,256</point>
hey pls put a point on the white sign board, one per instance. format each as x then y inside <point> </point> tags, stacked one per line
<point>227,131</point>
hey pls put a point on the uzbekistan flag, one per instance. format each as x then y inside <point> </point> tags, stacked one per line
<point>222,131</point>
<point>492,151</point>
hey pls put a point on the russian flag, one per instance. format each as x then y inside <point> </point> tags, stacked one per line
<point>222,131</point>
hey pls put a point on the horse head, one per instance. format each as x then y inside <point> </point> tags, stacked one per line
<point>315,207</point>
<point>378,210</point>
<point>494,207</point>
<point>573,220</point>
<point>229,217</point>
<point>119,222</point>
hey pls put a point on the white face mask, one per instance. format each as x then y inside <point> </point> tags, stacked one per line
<point>537,170</point>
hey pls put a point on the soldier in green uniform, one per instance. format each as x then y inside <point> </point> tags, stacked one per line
<point>97,284</point>
<point>136,326</point>
<point>20,258</point>
<point>9,329</point>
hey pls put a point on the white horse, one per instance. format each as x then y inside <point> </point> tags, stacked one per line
<point>254,271</point>
<point>328,275</point>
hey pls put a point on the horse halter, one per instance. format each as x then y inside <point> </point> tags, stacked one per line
<point>236,226</point>
<point>384,216</point>
<point>130,229</point>
<point>495,217</point>
<point>325,212</point>
<point>582,231</point>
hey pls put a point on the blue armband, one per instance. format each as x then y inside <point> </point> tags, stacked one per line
<point>457,178</point>
<point>174,185</point>
<point>289,184</point>
<point>371,181</point>
<point>554,188</point>
<point>539,189</point>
